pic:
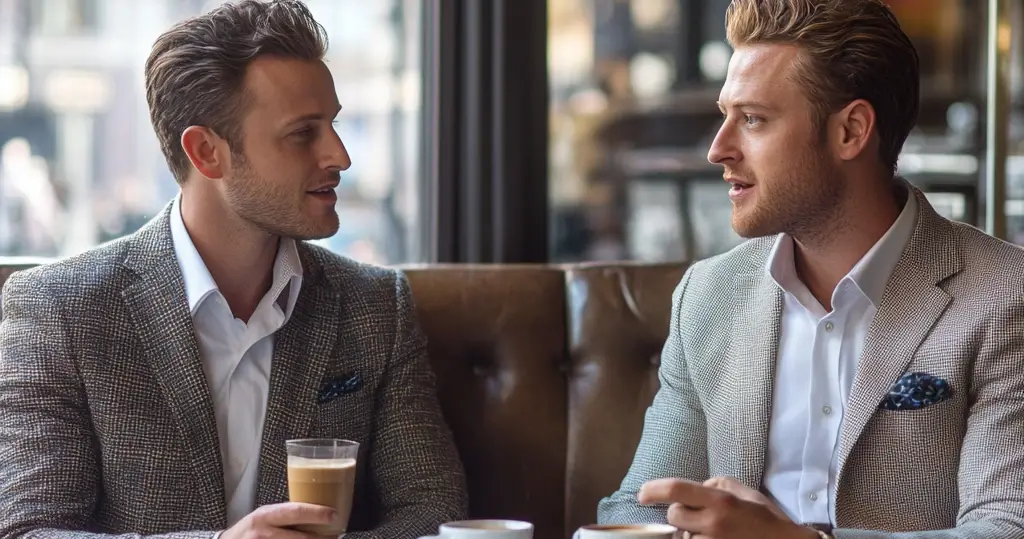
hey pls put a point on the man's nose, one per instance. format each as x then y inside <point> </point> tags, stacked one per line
<point>337,157</point>
<point>723,148</point>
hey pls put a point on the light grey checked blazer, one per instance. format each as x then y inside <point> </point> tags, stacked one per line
<point>107,425</point>
<point>953,308</point>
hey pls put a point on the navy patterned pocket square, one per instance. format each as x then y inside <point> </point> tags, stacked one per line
<point>916,390</point>
<point>337,387</point>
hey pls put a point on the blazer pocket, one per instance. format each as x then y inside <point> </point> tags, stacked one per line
<point>915,391</point>
<point>334,388</point>
<point>344,409</point>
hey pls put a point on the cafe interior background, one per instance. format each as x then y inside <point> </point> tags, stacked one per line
<point>488,133</point>
<point>498,131</point>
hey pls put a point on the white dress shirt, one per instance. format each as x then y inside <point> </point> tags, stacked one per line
<point>817,360</point>
<point>236,358</point>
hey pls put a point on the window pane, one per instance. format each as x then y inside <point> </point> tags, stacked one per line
<point>79,163</point>
<point>633,91</point>
<point>1015,146</point>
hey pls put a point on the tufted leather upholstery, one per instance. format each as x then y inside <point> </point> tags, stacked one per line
<point>544,374</point>
<point>618,321</point>
<point>497,342</point>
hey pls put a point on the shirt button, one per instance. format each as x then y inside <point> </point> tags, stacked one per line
<point>813,496</point>
<point>827,410</point>
<point>829,327</point>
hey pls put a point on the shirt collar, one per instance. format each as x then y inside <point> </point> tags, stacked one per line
<point>287,276</point>
<point>199,284</point>
<point>872,271</point>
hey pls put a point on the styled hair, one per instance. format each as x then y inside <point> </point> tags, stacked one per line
<point>852,49</point>
<point>196,71</point>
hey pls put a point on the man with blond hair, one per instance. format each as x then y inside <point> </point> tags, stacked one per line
<point>853,370</point>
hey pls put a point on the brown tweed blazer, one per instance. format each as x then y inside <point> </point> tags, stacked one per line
<point>107,425</point>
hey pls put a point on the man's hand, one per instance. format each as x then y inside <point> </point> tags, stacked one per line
<point>746,493</point>
<point>273,521</point>
<point>722,508</point>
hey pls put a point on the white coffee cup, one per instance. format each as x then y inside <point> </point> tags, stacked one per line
<point>622,531</point>
<point>484,529</point>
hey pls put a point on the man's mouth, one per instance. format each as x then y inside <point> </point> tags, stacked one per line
<point>739,188</point>
<point>741,185</point>
<point>325,194</point>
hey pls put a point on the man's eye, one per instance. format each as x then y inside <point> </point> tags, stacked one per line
<point>752,120</point>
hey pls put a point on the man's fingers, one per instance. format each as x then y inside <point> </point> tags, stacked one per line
<point>735,488</point>
<point>285,533</point>
<point>695,521</point>
<point>743,492</point>
<point>289,514</point>
<point>681,491</point>
<point>724,483</point>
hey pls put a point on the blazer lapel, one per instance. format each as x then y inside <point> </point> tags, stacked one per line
<point>910,306</point>
<point>302,349</point>
<point>163,323</point>
<point>754,351</point>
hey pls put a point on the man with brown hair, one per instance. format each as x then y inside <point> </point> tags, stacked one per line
<point>855,369</point>
<point>148,386</point>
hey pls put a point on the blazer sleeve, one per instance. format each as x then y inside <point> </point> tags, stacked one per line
<point>416,471</point>
<point>49,471</point>
<point>674,439</point>
<point>991,473</point>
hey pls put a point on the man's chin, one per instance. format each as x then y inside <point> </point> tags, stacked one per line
<point>742,227</point>
<point>748,228</point>
<point>317,234</point>
<point>313,230</point>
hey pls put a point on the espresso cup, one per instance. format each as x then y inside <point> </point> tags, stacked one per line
<point>484,529</point>
<point>622,531</point>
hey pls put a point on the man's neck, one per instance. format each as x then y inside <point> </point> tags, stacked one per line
<point>822,260</point>
<point>239,258</point>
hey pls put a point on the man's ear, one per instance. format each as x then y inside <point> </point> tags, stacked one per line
<point>205,150</point>
<point>852,129</point>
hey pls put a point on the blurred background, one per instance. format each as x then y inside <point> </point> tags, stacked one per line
<point>633,113</point>
<point>79,163</point>
<point>480,130</point>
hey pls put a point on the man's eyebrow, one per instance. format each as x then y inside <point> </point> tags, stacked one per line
<point>745,104</point>
<point>310,117</point>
